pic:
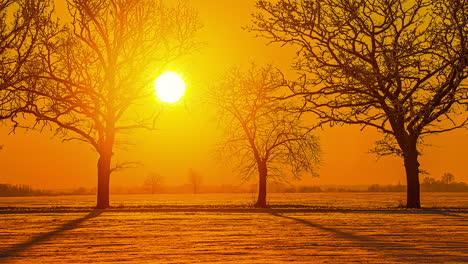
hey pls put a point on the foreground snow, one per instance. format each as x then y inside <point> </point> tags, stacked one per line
<point>186,233</point>
<point>250,237</point>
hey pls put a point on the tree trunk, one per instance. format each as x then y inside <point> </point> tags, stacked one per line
<point>412,179</point>
<point>262,187</point>
<point>104,172</point>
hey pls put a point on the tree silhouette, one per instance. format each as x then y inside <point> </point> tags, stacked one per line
<point>428,180</point>
<point>261,135</point>
<point>396,66</point>
<point>195,180</point>
<point>20,24</point>
<point>153,182</point>
<point>447,178</point>
<point>94,74</point>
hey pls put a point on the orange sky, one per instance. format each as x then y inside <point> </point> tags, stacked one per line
<point>188,131</point>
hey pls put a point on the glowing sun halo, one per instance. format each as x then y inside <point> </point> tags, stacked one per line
<point>169,87</point>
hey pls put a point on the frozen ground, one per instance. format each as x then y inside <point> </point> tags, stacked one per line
<point>182,230</point>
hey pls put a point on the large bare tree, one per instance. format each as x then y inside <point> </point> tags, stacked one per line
<point>260,134</point>
<point>394,65</point>
<point>94,73</point>
<point>20,24</point>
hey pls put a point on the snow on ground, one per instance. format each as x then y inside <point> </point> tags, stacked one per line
<point>233,234</point>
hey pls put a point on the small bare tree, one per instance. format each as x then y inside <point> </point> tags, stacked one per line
<point>154,182</point>
<point>21,22</point>
<point>447,178</point>
<point>261,135</point>
<point>393,65</point>
<point>195,180</point>
<point>92,73</point>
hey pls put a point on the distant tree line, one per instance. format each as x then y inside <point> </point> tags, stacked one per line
<point>446,184</point>
<point>9,190</point>
<point>428,185</point>
<point>24,190</point>
<point>386,188</point>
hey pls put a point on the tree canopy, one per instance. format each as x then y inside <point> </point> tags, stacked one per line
<point>261,135</point>
<point>21,24</point>
<point>92,73</point>
<point>394,65</point>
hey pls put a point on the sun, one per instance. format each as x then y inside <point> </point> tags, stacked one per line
<point>169,87</point>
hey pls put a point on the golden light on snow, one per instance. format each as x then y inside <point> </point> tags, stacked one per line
<point>169,87</point>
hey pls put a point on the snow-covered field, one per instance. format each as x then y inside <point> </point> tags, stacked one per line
<point>221,228</point>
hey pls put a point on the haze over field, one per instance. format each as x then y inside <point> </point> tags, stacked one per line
<point>187,132</point>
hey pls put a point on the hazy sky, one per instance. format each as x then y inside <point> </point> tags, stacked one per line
<point>187,132</point>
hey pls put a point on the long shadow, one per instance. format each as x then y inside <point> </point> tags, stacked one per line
<point>455,212</point>
<point>18,248</point>
<point>396,251</point>
<point>449,213</point>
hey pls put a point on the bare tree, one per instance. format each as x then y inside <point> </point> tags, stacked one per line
<point>154,182</point>
<point>447,178</point>
<point>195,180</point>
<point>393,65</point>
<point>264,138</point>
<point>20,24</point>
<point>94,73</point>
<point>428,180</point>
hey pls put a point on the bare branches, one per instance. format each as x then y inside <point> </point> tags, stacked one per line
<point>125,165</point>
<point>260,132</point>
<point>92,73</point>
<point>20,25</point>
<point>397,66</point>
<point>89,76</point>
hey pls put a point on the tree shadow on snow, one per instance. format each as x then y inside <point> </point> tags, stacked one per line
<point>404,253</point>
<point>459,214</point>
<point>41,238</point>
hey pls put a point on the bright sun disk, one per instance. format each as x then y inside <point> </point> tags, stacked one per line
<point>169,87</point>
